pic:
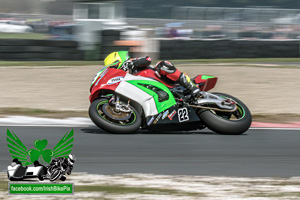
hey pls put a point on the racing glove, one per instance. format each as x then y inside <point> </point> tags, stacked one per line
<point>139,64</point>
<point>127,65</point>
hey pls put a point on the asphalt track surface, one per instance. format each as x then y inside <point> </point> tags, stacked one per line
<point>257,153</point>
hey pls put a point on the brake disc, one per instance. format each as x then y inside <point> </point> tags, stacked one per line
<point>111,112</point>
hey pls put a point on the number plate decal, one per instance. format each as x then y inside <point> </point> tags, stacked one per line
<point>183,114</point>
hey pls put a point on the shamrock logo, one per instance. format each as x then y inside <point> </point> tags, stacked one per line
<point>35,154</point>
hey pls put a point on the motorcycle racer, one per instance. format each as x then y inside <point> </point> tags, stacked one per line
<point>65,163</point>
<point>166,71</point>
<point>123,101</point>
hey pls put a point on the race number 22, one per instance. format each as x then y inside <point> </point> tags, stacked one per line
<point>183,115</point>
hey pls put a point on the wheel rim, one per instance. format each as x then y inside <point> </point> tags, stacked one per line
<point>234,116</point>
<point>126,122</point>
<point>54,175</point>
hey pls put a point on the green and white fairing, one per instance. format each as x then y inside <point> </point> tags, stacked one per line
<point>137,88</point>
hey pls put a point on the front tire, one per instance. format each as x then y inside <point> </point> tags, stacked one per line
<point>108,124</point>
<point>55,174</point>
<point>225,123</point>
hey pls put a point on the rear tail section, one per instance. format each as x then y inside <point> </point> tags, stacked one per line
<point>205,83</point>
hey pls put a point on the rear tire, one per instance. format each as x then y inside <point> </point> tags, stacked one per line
<point>222,123</point>
<point>109,125</point>
<point>41,178</point>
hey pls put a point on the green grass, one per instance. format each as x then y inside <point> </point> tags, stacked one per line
<point>292,195</point>
<point>33,36</point>
<point>239,60</point>
<point>276,118</point>
<point>129,190</point>
<point>3,185</point>
<point>200,61</point>
<point>49,63</point>
<point>277,66</point>
<point>120,190</point>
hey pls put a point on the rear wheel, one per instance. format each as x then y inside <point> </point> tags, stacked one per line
<point>226,123</point>
<point>107,118</point>
<point>40,177</point>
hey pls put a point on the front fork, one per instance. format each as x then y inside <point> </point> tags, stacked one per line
<point>120,106</point>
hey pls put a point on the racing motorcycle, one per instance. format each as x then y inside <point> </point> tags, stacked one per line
<point>124,103</point>
<point>56,172</point>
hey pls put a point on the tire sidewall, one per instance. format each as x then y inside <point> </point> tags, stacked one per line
<point>110,127</point>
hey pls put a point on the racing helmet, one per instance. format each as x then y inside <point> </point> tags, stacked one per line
<point>116,59</point>
<point>71,159</point>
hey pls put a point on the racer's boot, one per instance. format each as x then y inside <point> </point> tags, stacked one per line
<point>186,82</point>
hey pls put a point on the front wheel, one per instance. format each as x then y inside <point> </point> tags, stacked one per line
<point>55,174</point>
<point>226,123</point>
<point>107,118</point>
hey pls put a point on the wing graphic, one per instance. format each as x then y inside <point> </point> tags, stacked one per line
<point>64,146</point>
<point>16,148</point>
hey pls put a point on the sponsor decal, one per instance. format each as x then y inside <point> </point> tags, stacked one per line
<point>183,114</point>
<point>97,75</point>
<point>165,114</point>
<point>150,121</point>
<point>170,116</point>
<point>101,76</point>
<point>115,80</point>
<point>157,118</point>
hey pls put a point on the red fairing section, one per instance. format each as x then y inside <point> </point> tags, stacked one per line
<point>174,76</point>
<point>149,73</point>
<point>102,83</point>
<point>206,84</point>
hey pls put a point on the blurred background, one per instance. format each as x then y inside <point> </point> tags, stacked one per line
<point>190,29</point>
